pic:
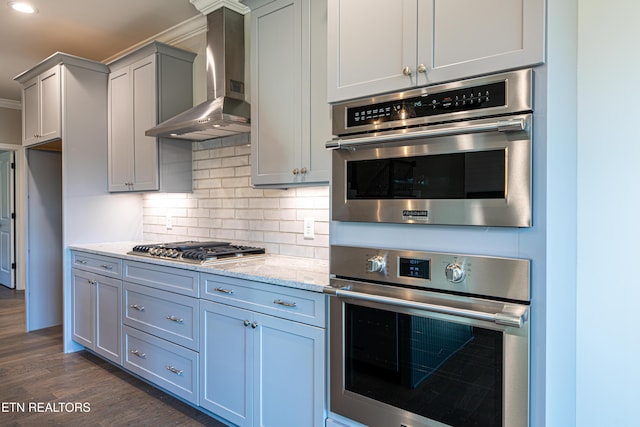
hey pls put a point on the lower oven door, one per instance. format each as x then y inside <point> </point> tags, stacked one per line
<point>431,361</point>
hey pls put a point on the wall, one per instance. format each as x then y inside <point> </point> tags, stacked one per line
<point>10,126</point>
<point>224,206</point>
<point>608,342</point>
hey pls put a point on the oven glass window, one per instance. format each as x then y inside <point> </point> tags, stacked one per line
<point>441,370</point>
<point>469,175</point>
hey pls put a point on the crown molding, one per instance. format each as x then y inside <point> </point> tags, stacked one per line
<point>208,6</point>
<point>8,103</point>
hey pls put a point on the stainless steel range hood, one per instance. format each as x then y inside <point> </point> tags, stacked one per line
<point>225,112</point>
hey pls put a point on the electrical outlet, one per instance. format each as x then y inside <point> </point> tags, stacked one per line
<point>169,222</point>
<point>309,228</point>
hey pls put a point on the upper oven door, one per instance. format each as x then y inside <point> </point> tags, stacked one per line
<point>464,173</point>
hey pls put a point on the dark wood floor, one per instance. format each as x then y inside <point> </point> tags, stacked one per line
<point>36,374</point>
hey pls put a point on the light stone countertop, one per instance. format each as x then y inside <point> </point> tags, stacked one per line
<point>292,272</point>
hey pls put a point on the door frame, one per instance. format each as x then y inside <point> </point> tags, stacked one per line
<point>10,186</point>
<point>18,190</point>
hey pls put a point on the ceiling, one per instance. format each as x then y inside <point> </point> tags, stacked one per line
<point>92,29</point>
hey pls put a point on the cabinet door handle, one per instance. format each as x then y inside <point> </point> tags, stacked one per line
<point>138,353</point>
<point>107,267</point>
<point>247,323</point>
<point>285,303</point>
<point>137,307</point>
<point>421,68</point>
<point>407,71</point>
<point>175,319</point>
<point>174,370</point>
<point>254,325</point>
<point>224,291</point>
<point>303,171</point>
<point>296,171</point>
<point>91,281</point>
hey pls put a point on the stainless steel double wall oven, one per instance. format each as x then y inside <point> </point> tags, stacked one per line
<point>421,338</point>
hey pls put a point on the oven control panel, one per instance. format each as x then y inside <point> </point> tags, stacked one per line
<point>471,274</point>
<point>493,95</point>
<point>429,104</point>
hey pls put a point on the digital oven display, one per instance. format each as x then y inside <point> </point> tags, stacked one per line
<point>414,268</point>
<point>467,99</point>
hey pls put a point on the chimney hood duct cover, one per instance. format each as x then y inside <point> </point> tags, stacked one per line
<point>225,112</point>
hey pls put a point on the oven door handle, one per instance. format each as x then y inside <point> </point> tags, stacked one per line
<point>515,319</point>
<point>511,125</point>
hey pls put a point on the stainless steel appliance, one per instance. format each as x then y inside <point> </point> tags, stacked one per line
<point>225,112</point>
<point>457,153</point>
<point>423,339</point>
<point>201,253</point>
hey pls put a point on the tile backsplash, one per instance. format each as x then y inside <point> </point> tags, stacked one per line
<point>224,206</point>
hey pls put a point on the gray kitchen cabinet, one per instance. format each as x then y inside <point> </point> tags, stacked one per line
<point>271,371</point>
<point>164,314</point>
<point>160,320</point>
<point>290,118</point>
<point>148,86</point>
<point>260,369</point>
<point>163,363</point>
<point>41,112</point>
<point>408,43</point>
<point>95,302</point>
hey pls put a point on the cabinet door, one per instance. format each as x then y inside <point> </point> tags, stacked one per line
<point>464,38</point>
<point>371,42</point>
<point>83,308</point>
<point>145,148</point>
<point>120,131</point>
<point>289,363</point>
<point>226,352</point>
<point>30,112</point>
<point>107,318</point>
<point>276,97</point>
<point>50,104</point>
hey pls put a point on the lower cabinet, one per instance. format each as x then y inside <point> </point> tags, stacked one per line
<point>249,352</point>
<point>260,370</point>
<point>96,313</point>
<point>164,363</point>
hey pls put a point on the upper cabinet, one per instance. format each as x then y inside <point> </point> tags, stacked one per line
<point>407,43</point>
<point>147,87</point>
<point>290,117</point>
<point>41,113</point>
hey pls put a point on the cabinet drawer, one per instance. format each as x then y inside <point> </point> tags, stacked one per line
<point>165,364</point>
<point>107,266</point>
<point>164,314</point>
<point>171,279</point>
<point>293,304</point>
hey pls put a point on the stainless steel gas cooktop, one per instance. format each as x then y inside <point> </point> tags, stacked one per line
<point>200,253</point>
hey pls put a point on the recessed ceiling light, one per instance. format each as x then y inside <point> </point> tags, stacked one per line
<point>21,6</point>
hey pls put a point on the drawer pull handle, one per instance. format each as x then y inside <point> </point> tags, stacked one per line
<point>174,370</point>
<point>138,353</point>
<point>285,303</point>
<point>175,319</point>
<point>82,261</point>
<point>137,307</point>
<point>108,267</point>
<point>223,290</point>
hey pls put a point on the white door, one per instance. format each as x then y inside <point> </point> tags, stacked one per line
<point>6,222</point>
